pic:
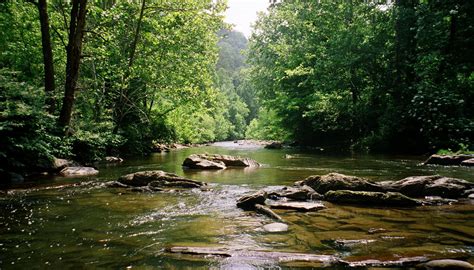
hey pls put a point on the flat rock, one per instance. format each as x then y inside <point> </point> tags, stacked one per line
<point>370,198</point>
<point>336,181</point>
<point>402,262</point>
<point>446,264</point>
<point>248,202</point>
<point>298,206</point>
<point>78,171</point>
<point>447,160</point>
<point>254,255</point>
<point>158,179</point>
<point>276,227</point>
<point>468,162</point>
<point>433,185</point>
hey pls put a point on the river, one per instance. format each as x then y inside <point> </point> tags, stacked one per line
<point>92,226</point>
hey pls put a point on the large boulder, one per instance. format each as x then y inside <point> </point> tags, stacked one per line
<point>78,171</point>
<point>447,160</point>
<point>433,185</point>
<point>248,202</point>
<point>296,193</point>
<point>215,161</point>
<point>370,198</point>
<point>336,181</point>
<point>158,179</point>
<point>198,162</point>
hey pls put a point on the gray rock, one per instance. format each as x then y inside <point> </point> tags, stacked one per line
<point>158,179</point>
<point>471,196</point>
<point>436,200</point>
<point>197,162</point>
<point>274,145</point>
<point>447,160</point>
<point>298,206</point>
<point>248,202</point>
<point>59,164</point>
<point>370,198</point>
<point>215,161</point>
<point>336,181</point>
<point>296,193</point>
<point>78,171</point>
<point>434,185</point>
<point>468,162</point>
<point>446,264</point>
<point>110,160</point>
<point>276,227</point>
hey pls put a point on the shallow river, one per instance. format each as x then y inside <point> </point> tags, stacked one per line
<point>91,226</point>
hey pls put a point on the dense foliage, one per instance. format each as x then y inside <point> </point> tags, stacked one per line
<point>365,75</point>
<point>82,79</point>
<point>147,73</point>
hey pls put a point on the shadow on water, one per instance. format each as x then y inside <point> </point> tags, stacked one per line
<point>92,226</point>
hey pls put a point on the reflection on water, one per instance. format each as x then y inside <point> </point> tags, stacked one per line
<point>93,226</point>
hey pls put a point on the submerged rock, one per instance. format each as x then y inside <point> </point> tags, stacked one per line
<point>446,264</point>
<point>276,227</point>
<point>79,171</point>
<point>248,202</point>
<point>336,181</point>
<point>447,160</point>
<point>157,179</point>
<point>434,185</point>
<point>259,256</point>
<point>215,161</point>
<point>370,198</point>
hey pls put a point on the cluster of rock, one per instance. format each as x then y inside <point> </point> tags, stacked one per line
<point>450,160</point>
<point>155,181</point>
<point>217,162</point>
<point>164,147</point>
<point>316,260</point>
<point>339,188</point>
<point>64,167</point>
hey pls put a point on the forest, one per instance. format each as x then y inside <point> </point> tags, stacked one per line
<point>84,79</point>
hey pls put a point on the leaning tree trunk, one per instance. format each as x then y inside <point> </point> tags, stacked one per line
<point>47,56</point>
<point>74,50</point>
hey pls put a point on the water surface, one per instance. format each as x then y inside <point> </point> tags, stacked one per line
<point>91,226</point>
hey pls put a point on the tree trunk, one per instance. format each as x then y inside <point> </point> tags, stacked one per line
<point>49,86</point>
<point>74,50</point>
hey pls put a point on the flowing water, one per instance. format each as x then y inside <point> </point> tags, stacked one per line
<point>93,226</point>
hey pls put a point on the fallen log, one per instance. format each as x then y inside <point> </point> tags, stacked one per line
<point>268,212</point>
